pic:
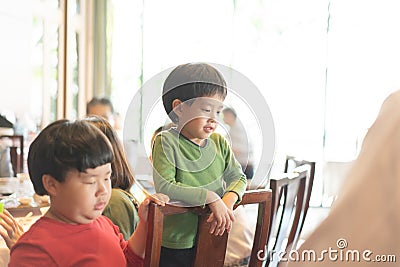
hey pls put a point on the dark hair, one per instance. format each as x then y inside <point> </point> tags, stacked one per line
<point>189,81</point>
<point>64,146</point>
<point>122,175</point>
<point>99,101</point>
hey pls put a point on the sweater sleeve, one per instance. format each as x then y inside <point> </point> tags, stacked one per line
<point>132,260</point>
<point>234,177</point>
<point>164,174</point>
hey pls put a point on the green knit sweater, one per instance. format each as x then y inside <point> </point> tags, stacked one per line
<point>185,171</point>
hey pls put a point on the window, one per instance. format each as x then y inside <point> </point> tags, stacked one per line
<point>45,67</point>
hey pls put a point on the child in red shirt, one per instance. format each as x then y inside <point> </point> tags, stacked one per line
<point>71,162</point>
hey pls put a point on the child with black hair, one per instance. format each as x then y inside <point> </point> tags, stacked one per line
<point>122,207</point>
<point>71,162</point>
<point>191,162</point>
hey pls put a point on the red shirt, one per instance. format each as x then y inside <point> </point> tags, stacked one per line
<point>52,243</point>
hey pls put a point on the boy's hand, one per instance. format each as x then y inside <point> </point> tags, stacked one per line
<point>159,199</point>
<point>221,218</point>
<point>230,199</point>
<point>12,229</point>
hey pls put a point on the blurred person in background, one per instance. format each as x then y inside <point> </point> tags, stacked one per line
<point>122,208</point>
<point>5,161</point>
<point>241,145</point>
<point>103,107</point>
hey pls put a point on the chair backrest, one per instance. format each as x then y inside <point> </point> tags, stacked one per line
<point>16,144</point>
<point>291,187</point>
<point>290,165</point>
<point>210,249</point>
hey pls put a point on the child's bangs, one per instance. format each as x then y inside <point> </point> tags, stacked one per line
<point>99,154</point>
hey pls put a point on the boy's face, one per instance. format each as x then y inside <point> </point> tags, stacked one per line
<point>82,197</point>
<point>199,118</point>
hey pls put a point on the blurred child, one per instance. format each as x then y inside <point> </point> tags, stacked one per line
<point>71,162</point>
<point>122,207</point>
<point>192,163</point>
<point>240,143</point>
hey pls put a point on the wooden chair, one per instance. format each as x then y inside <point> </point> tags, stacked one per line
<point>16,144</point>
<point>290,165</point>
<point>210,249</point>
<point>285,222</point>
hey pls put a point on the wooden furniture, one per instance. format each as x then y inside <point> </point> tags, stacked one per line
<point>290,165</point>
<point>210,249</point>
<point>290,188</point>
<point>16,144</point>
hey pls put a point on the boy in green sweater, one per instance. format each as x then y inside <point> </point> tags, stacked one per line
<point>193,164</point>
